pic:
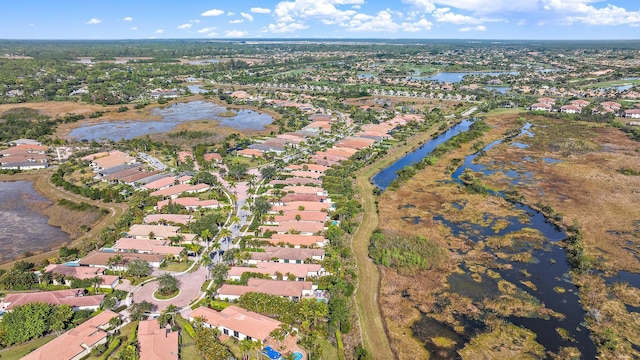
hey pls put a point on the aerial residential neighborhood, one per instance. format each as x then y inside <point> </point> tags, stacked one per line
<point>320,180</point>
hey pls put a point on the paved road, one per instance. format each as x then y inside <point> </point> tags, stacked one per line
<point>189,289</point>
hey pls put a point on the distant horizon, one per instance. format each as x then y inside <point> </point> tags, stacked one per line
<point>363,39</point>
<point>569,20</point>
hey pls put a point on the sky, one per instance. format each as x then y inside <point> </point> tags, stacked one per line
<point>349,19</point>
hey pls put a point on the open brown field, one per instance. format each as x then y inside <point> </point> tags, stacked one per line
<point>585,187</point>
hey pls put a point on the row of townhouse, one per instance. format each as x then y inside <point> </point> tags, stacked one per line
<point>577,106</point>
<point>24,155</point>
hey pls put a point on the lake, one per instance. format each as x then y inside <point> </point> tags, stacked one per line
<point>24,228</point>
<point>172,116</point>
<point>454,77</point>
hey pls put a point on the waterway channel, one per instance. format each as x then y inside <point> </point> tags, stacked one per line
<point>548,269</point>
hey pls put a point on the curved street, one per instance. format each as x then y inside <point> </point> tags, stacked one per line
<point>190,284</point>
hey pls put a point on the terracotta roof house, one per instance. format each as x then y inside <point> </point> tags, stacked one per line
<point>632,113</point>
<point>307,174</point>
<point>184,155</point>
<point>581,103</point>
<point>160,232</point>
<point>286,255</point>
<point>237,322</point>
<point>112,159</point>
<point>302,206</point>
<point>541,107</point>
<point>341,151</point>
<point>250,153</point>
<point>160,183</point>
<point>611,105</point>
<point>314,190</point>
<point>215,157</point>
<point>296,215</point>
<point>295,227</point>
<point>157,343</point>
<point>182,219</point>
<point>75,298</point>
<point>175,190</point>
<point>77,342</point>
<point>82,273</point>
<point>191,203</point>
<point>300,272</point>
<point>308,167</point>
<point>546,100</point>
<point>296,181</point>
<point>143,246</point>
<point>570,109</point>
<point>303,197</point>
<point>293,290</point>
<point>296,240</point>
<point>101,259</point>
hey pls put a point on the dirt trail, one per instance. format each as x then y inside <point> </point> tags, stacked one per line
<point>374,333</point>
<point>42,183</point>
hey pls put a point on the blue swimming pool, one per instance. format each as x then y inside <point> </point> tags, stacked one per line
<point>271,354</point>
<point>297,355</point>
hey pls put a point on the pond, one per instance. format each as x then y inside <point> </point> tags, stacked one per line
<point>454,77</point>
<point>24,228</point>
<point>548,269</point>
<point>171,116</point>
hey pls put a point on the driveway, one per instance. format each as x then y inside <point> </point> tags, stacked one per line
<point>189,290</point>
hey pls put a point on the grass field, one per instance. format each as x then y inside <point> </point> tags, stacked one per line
<point>606,84</point>
<point>18,351</point>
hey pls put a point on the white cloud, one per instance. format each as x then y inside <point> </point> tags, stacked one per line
<point>212,12</point>
<point>212,34</point>
<point>159,31</point>
<point>230,13</point>
<point>445,15</point>
<point>259,10</point>
<point>491,6</point>
<point>94,21</point>
<point>134,28</point>
<point>237,21</point>
<point>385,21</point>
<point>206,30</point>
<point>324,10</point>
<point>185,26</point>
<point>128,18</point>
<point>426,6</point>
<point>473,28</point>
<point>279,28</point>
<point>247,16</point>
<point>236,33</point>
<point>581,12</point>
<point>195,21</point>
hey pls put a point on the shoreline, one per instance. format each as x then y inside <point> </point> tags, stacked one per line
<point>145,115</point>
<point>40,180</point>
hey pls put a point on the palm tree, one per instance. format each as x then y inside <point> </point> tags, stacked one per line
<point>225,233</point>
<point>246,345</point>
<point>95,282</point>
<point>206,235</point>
<point>235,219</point>
<point>116,260</point>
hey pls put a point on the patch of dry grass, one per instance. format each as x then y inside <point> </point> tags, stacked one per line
<point>504,342</point>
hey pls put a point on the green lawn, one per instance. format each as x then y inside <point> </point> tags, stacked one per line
<point>178,266</point>
<point>21,350</point>
<point>187,344</point>
<point>605,84</point>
